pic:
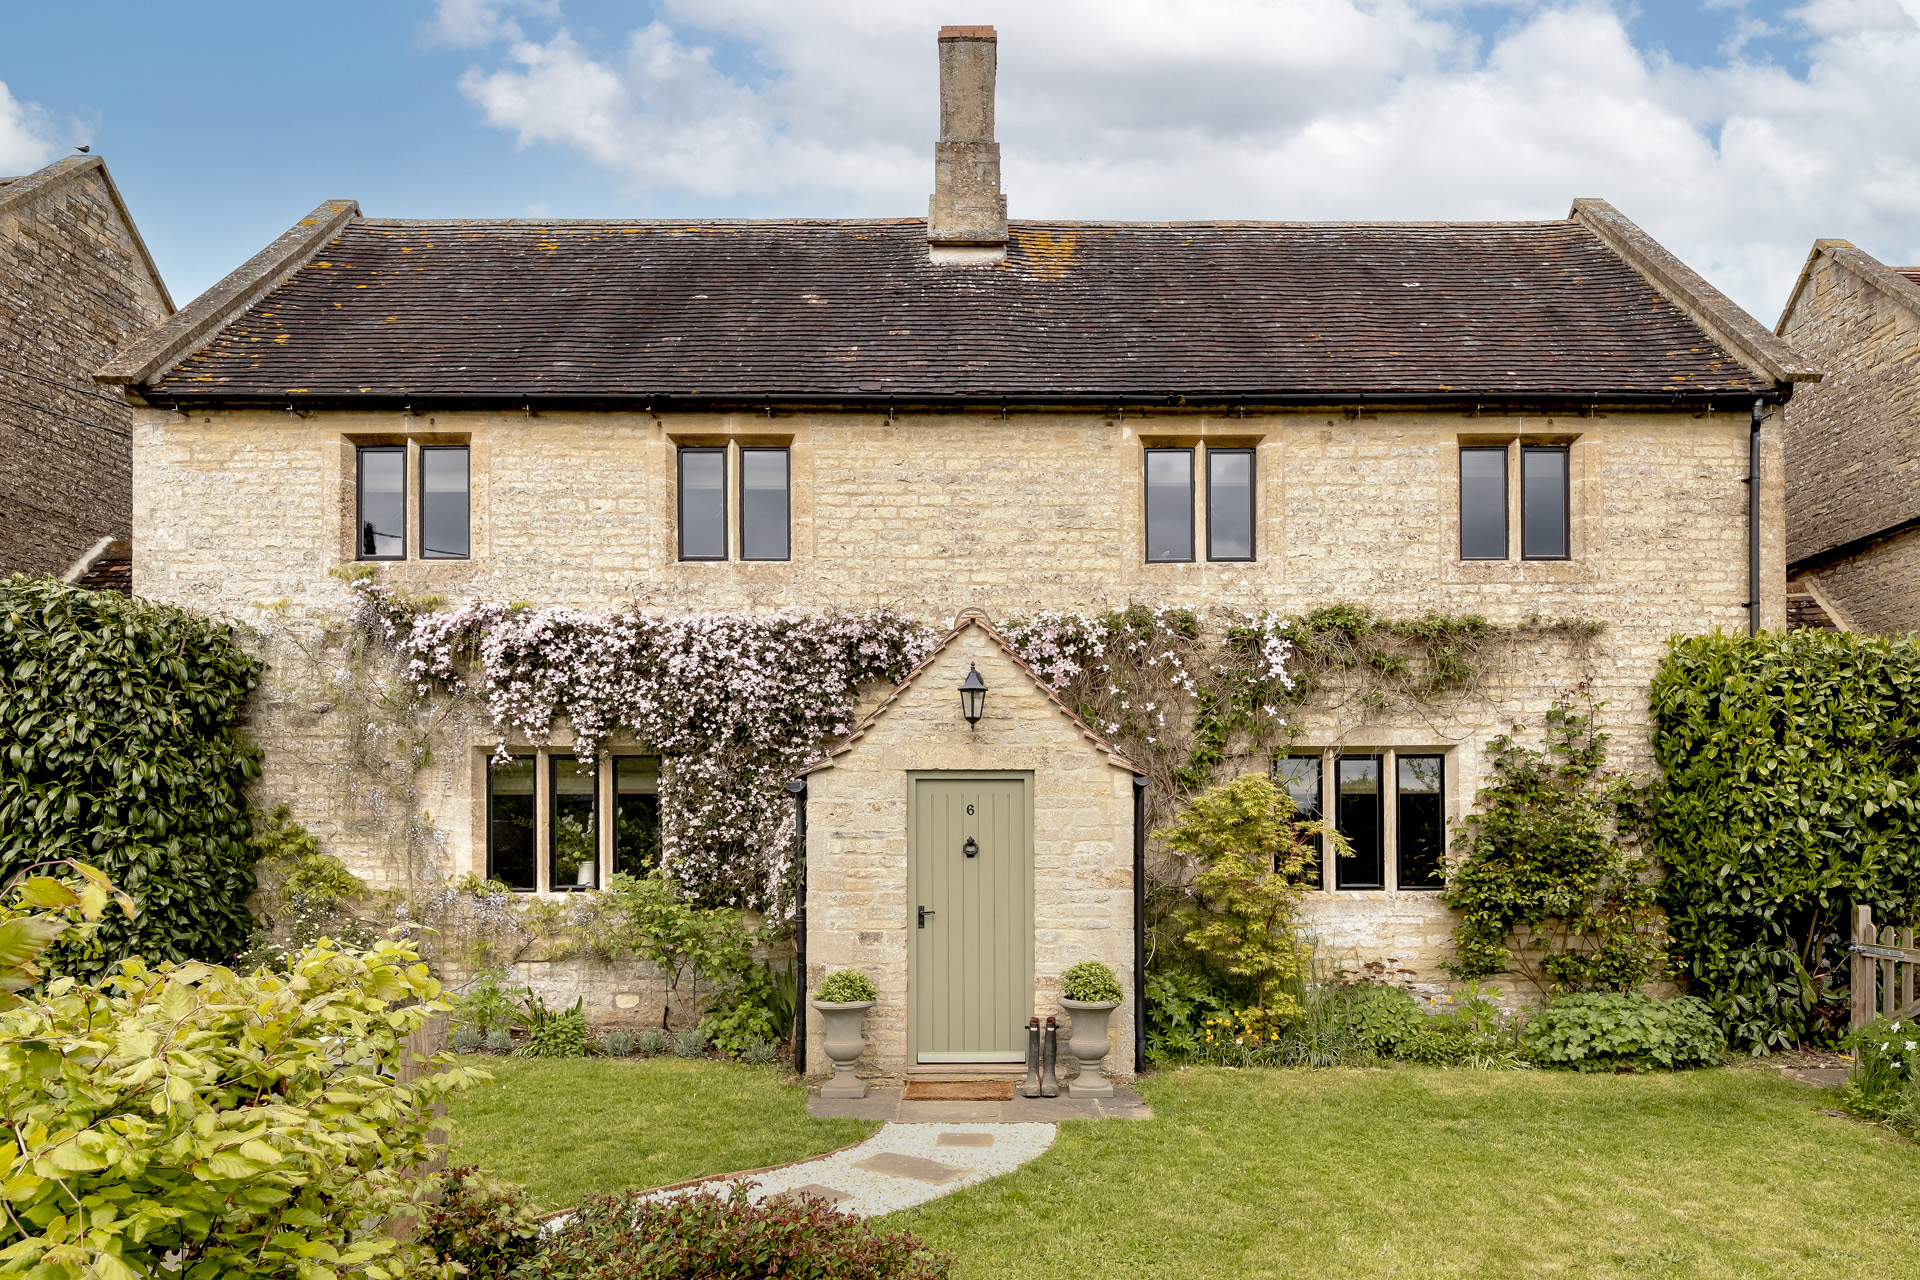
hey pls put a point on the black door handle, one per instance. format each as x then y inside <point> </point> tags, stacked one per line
<point>924,913</point>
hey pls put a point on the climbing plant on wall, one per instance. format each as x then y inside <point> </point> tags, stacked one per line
<point>1790,766</point>
<point>118,748</point>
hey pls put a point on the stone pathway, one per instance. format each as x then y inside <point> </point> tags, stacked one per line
<point>900,1166</point>
<point>887,1104</point>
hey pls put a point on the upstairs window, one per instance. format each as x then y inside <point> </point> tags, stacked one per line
<point>510,827</point>
<point>1544,526</point>
<point>1169,505</point>
<point>1229,504</point>
<point>763,504</point>
<point>703,503</point>
<point>1483,504</point>
<point>445,507</point>
<point>381,502</point>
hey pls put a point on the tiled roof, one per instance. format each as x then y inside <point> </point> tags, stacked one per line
<point>855,309</point>
<point>1911,273</point>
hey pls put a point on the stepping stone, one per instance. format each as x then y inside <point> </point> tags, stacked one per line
<point>891,1162</point>
<point>819,1191</point>
<point>965,1140</point>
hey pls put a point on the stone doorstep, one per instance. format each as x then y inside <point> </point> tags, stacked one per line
<point>901,1166</point>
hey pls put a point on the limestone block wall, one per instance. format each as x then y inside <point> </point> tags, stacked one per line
<point>1877,589</point>
<point>936,513</point>
<point>75,286</point>
<point>858,915</point>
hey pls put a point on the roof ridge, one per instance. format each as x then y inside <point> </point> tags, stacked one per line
<point>1185,224</point>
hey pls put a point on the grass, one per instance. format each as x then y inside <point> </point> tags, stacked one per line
<point>1414,1172</point>
<point>566,1128</point>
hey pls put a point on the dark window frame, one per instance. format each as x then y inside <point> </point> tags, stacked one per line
<point>1319,758</point>
<point>613,816</point>
<point>1379,759</point>
<point>1506,502</point>
<point>360,452</point>
<point>420,469</point>
<point>1400,826</point>
<point>680,500</point>
<point>1566,499</point>
<point>492,843</point>
<point>1253,506</point>
<point>550,854</point>
<point>1146,504</point>
<point>741,531</point>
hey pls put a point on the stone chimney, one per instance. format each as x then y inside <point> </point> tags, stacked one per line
<point>967,216</point>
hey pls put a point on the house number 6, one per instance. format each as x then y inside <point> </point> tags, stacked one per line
<point>969,811</point>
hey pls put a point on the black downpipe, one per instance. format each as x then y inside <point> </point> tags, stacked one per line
<point>1139,924</point>
<point>798,788</point>
<point>1753,519</point>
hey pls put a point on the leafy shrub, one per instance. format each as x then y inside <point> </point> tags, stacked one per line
<point>1178,1000</point>
<point>118,727</point>
<point>690,1043</point>
<point>1885,1082</point>
<point>499,1040</point>
<point>487,1004</point>
<point>1788,794</point>
<point>1382,1017</point>
<point>628,1237</point>
<point>485,1224</point>
<point>1546,864</point>
<point>745,1012</point>
<point>304,895</point>
<point>1625,1031</point>
<point>467,1039</point>
<point>759,1053</point>
<point>191,1120</point>
<point>1253,854</point>
<point>553,1035</point>
<point>846,986</point>
<point>617,1044</point>
<point>653,1042</point>
<point>1091,982</point>
<point>1467,1029</point>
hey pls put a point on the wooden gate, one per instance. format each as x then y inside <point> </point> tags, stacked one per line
<point>1886,971</point>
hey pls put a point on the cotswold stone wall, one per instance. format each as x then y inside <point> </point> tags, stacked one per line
<point>935,514</point>
<point>74,288</point>
<point>858,910</point>
<point>1853,441</point>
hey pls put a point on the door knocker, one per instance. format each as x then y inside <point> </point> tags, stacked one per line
<point>971,848</point>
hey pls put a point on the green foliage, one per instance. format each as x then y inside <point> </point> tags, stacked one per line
<point>653,1042</point>
<point>1091,982</point>
<point>647,916</point>
<point>1788,795</point>
<point>691,1042</point>
<point>1382,1017</point>
<point>846,986</point>
<point>1545,864</point>
<point>46,911</point>
<point>304,895</point>
<point>231,1124</point>
<point>1179,1000</point>
<point>629,1237</point>
<point>1253,854</point>
<point>118,747</point>
<point>746,1011</point>
<point>1625,1031</point>
<point>486,1225</point>
<point>467,1039</point>
<point>1884,1085</point>
<point>553,1033</point>
<point>499,1040</point>
<point>759,1053</point>
<point>617,1043</point>
<point>487,1003</point>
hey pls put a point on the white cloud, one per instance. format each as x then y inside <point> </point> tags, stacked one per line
<point>468,24</point>
<point>1363,109</point>
<point>26,135</point>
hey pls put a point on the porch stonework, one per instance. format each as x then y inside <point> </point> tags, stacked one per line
<point>857,909</point>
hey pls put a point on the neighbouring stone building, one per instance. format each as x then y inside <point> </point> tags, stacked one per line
<point>76,285</point>
<point>1853,441</point>
<point>969,418</point>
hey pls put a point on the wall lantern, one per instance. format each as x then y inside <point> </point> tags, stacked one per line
<point>973,696</point>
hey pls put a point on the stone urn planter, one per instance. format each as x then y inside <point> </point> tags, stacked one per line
<point>844,1042</point>
<point>1088,1046</point>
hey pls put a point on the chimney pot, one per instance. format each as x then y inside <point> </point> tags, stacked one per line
<point>967,215</point>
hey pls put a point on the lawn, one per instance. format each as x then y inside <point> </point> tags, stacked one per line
<point>1415,1172</point>
<point>566,1128</point>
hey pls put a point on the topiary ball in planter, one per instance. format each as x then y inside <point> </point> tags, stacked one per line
<point>843,1000</point>
<point>1091,982</point>
<point>846,986</point>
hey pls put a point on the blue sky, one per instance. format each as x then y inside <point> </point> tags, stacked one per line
<point>1734,132</point>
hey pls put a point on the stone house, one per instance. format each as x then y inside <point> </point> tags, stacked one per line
<point>76,285</point>
<point>969,418</point>
<point>1853,443</point>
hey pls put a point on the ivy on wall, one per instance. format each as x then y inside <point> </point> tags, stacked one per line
<point>118,748</point>
<point>1788,795</point>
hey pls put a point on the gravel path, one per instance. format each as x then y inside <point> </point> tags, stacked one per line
<point>901,1165</point>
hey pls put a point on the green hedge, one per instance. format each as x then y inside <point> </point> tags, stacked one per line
<point>1788,794</point>
<point>118,747</point>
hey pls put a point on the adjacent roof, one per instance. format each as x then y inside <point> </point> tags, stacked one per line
<point>971,618</point>
<point>855,311</point>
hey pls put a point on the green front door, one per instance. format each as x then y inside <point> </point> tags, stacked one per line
<point>970,916</point>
